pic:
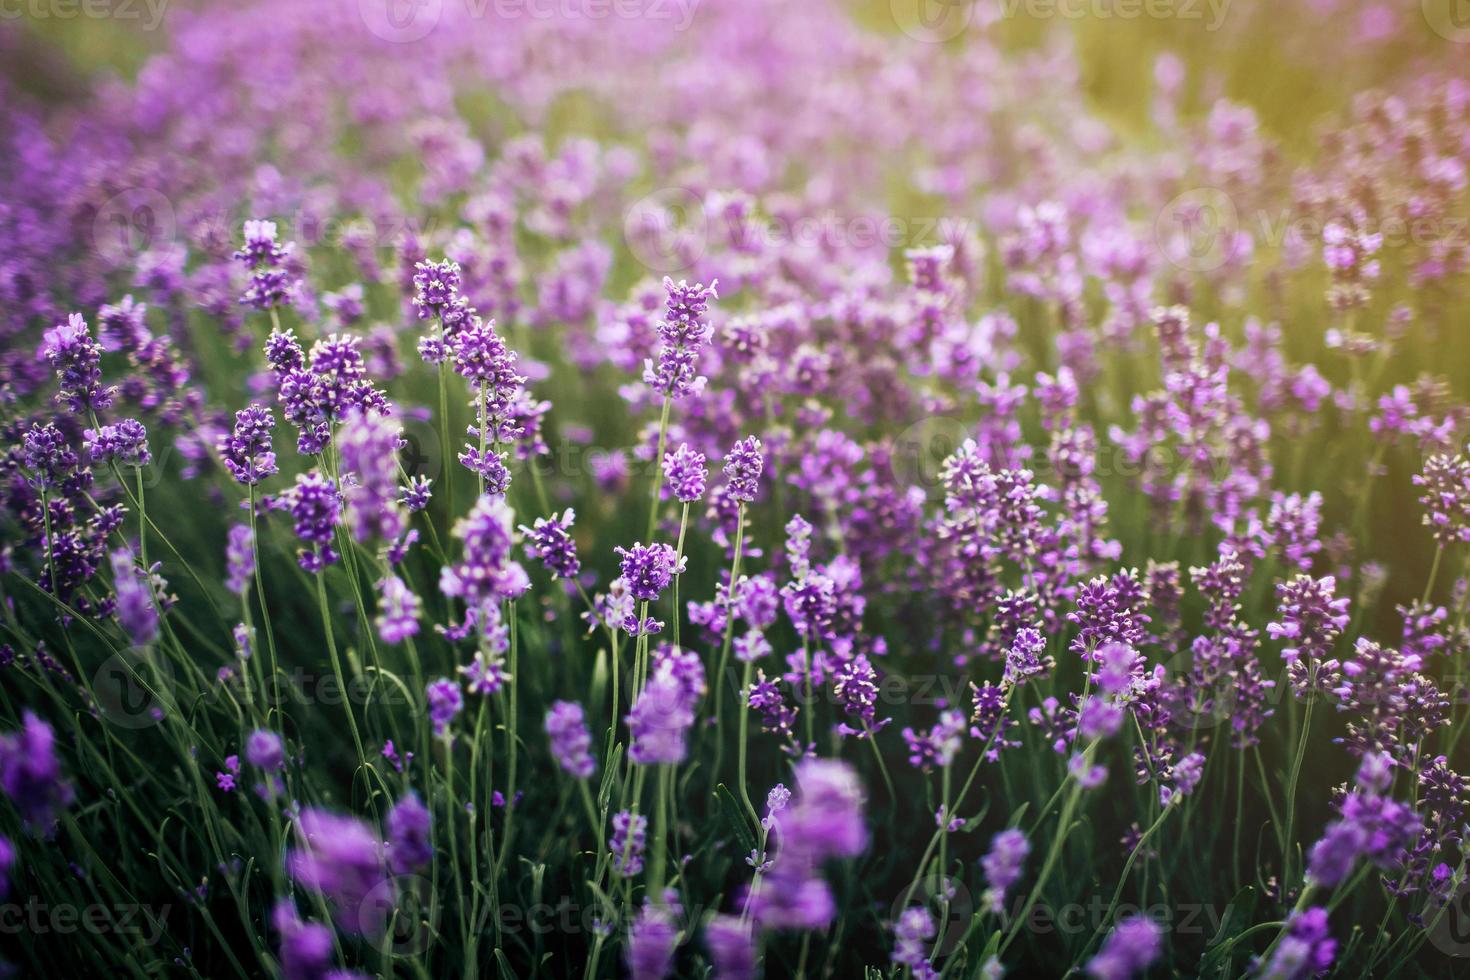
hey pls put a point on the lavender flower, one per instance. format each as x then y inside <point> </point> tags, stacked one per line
<point>1130,949</point>
<point>264,750</point>
<point>629,837</point>
<point>684,472</point>
<point>77,360</point>
<point>1307,949</point>
<point>314,506</point>
<point>550,541</point>
<point>659,720</point>
<point>306,947</point>
<point>731,948</point>
<point>910,948</point>
<point>126,443</point>
<point>398,610</point>
<point>1002,866</point>
<point>1445,486</point>
<point>486,575</point>
<point>339,858</point>
<point>684,331</point>
<point>410,847</point>
<point>651,941</point>
<point>445,702</point>
<point>30,774</point>
<point>239,558</point>
<point>368,445</point>
<point>570,741</point>
<point>271,281</point>
<point>1370,826</point>
<point>743,464</point>
<point>135,611</point>
<point>246,452</point>
<point>648,569</point>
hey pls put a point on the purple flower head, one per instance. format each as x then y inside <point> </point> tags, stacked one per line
<point>125,442</point>
<point>1307,950</point>
<point>939,745</point>
<point>485,575</point>
<point>684,331</point>
<point>306,947</point>
<point>826,817</point>
<point>264,750</point>
<point>648,569</point>
<point>660,720</point>
<point>416,493</point>
<point>7,861</point>
<point>684,472</point>
<point>1184,776</point>
<point>1026,657</point>
<point>435,288</point>
<point>339,858</point>
<point>855,685</point>
<point>550,541</point>
<point>1370,826</point>
<point>77,360</point>
<point>247,452</point>
<point>1116,664</point>
<point>482,358</point>
<point>731,946</point>
<point>398,610</point>
<point>314,506</point>
<point>368,444</point>
<point>1130,949</point>
<point>48,456</point>
<point>239,558</point>
<point>485,674</point>
<point>272,282</point>
<point>1445,495</point>
<point>570,741</point>
<point>911,933</point>
<point>135,610</point>
<point>30,774</point>
<point>629,837</point>
<point>743,464</point>
<point>445,702</point>
<point>410,845</point>
<point>989,720</point>
<point>124,326</point>
<point>651,941</point>
<point>1002,866</point>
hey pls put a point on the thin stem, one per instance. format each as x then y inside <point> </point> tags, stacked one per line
<point>658,468</point>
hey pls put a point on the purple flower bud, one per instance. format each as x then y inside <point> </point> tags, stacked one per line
<point>410,848</point>
<point>684,472</point>
<point>743,464</point>
<point>264,750</point>
<point>570,741</point>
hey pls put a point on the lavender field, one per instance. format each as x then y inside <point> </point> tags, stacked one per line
<point>732,488</point>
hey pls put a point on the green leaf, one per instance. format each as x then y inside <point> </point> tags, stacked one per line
<point>734,815</point>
